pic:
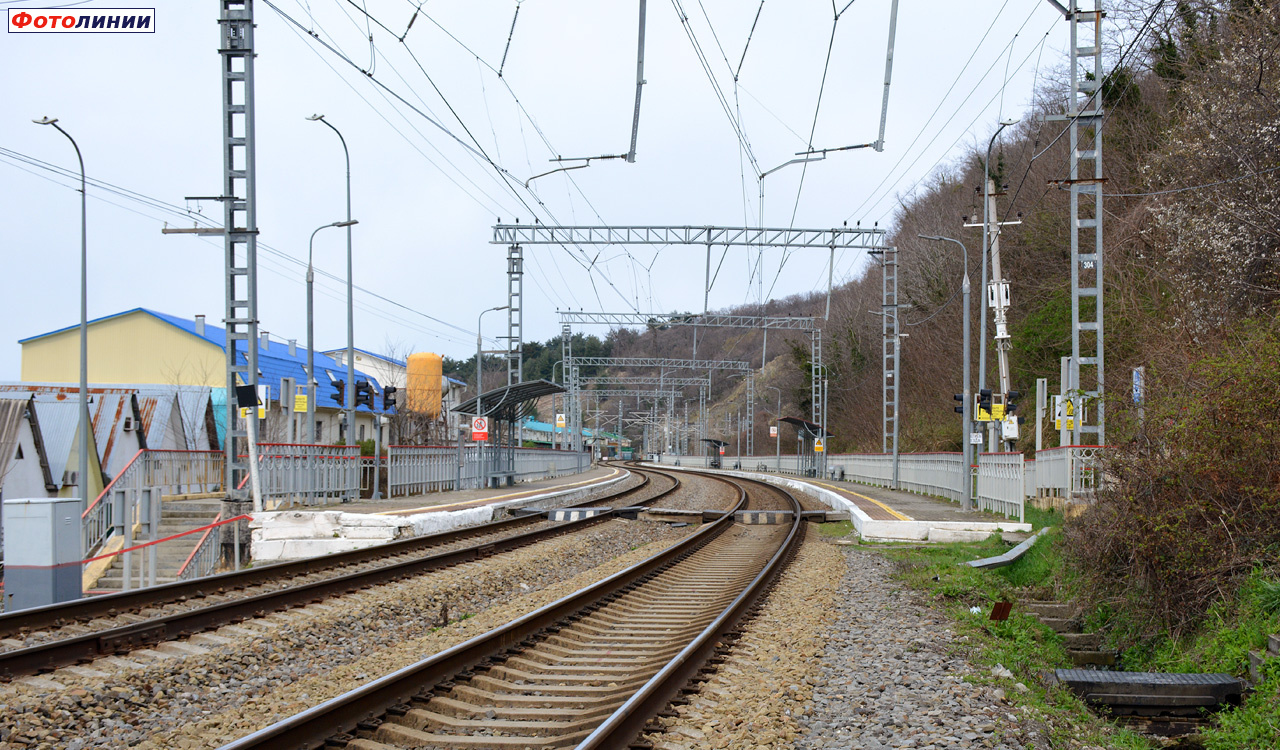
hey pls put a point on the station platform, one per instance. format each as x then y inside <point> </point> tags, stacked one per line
<point>297,533</point>
<point>882,514</point>
<point>460,499</point>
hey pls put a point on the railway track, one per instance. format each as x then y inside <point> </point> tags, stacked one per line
<point>78,632</point>
<point>590,670</point>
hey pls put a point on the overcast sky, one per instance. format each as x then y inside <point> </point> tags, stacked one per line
<point>145,110</point>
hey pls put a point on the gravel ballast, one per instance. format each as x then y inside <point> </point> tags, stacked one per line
<point>215,687</point>
<point>842,657</point>
<point>891,677</point>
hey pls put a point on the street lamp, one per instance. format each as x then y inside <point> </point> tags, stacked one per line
<point>967,404</point>
<point>351,345</point>
<point>986,229</point>
<point>83,456</point>
<point>311,344</point>
<point>479,339</point>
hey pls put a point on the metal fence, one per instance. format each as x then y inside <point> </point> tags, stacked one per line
<point>204,559</point>
<point>300,474</point>
<point>1001,484</point>
<point>1069,471</point>
<point>414,469</point>
<point>166,472</point>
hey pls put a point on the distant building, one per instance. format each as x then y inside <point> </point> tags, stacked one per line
<point>39,449</point>
<point>149,347</point>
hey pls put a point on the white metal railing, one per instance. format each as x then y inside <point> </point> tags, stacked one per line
<point>300,474</point>
<point>539,463</point>
<point>414,469</point>
<point>1069,471</point>
<point>167,472</point>
<point>203,560</point>
<point>1000,484</point>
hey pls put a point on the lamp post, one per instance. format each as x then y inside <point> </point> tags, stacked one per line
<point>965,447</point>
<point>350,404</point>
<point>83,453</point>
<point>479,340</point>
<point>311,344</point>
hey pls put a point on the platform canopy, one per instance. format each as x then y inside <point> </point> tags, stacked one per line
<point>716,443</point>
<point>810,429</point>
<point>509,403</point>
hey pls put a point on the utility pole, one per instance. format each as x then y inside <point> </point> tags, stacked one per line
<point>239,201</point>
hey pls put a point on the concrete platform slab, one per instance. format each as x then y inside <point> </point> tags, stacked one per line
<point>880,514</point>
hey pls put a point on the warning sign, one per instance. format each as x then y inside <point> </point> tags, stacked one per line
<point>1063,409</point>
<point>995,414</point>
<point>560,421</point>
<point>722,450</point>
<point>300,399</point>
<point>773,430</point>
<point>480,429</point>
<point>818,447</point>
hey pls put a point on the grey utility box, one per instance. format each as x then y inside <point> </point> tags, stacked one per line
<point>42,551</point>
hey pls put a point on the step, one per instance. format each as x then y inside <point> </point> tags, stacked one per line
<point>1082,641</point>
<point>1256,660</point>
<point>1059,610</point>
<point>1061,625</point>
<point>1273,645</point>
<point>1103,658</point>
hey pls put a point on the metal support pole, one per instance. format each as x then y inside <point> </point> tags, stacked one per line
<point>239,200</point>
<point>515,315</point>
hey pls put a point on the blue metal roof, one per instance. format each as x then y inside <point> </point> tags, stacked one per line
<point>274,362</point>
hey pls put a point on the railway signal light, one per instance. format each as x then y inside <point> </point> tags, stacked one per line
<point>341,395</point>
<point>958,397</point>
<point>1010,401</point>
<point>388,397</point>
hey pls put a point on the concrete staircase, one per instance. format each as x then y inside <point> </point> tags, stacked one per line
<point>175,518</point>
<point>1258,658</point>
<point>1084,649</point>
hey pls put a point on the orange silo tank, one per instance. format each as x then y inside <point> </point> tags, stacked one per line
<point>425,374</point>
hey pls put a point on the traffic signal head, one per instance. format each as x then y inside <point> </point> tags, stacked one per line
<point>341,395</point>
<point>958,397</point>
<point>389,397</point>
<point>1010,400</point>
<point>364,393</point>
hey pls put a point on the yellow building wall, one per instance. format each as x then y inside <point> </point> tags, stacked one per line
<point>132,348</point>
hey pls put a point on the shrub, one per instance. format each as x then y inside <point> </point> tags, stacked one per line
<point>1193,499</point>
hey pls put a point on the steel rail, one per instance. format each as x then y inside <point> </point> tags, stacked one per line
<point>78,649</point>
<point>627,722</point>
<point>80,610</point>
<point>333,718</point>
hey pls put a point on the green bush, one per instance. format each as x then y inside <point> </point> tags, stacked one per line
<point>1193,503</point>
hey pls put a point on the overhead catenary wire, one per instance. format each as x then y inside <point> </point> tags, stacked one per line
<point>179,212</point>
<point>508,180</point>
<point>936,110</point>
<point>588,263</point>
